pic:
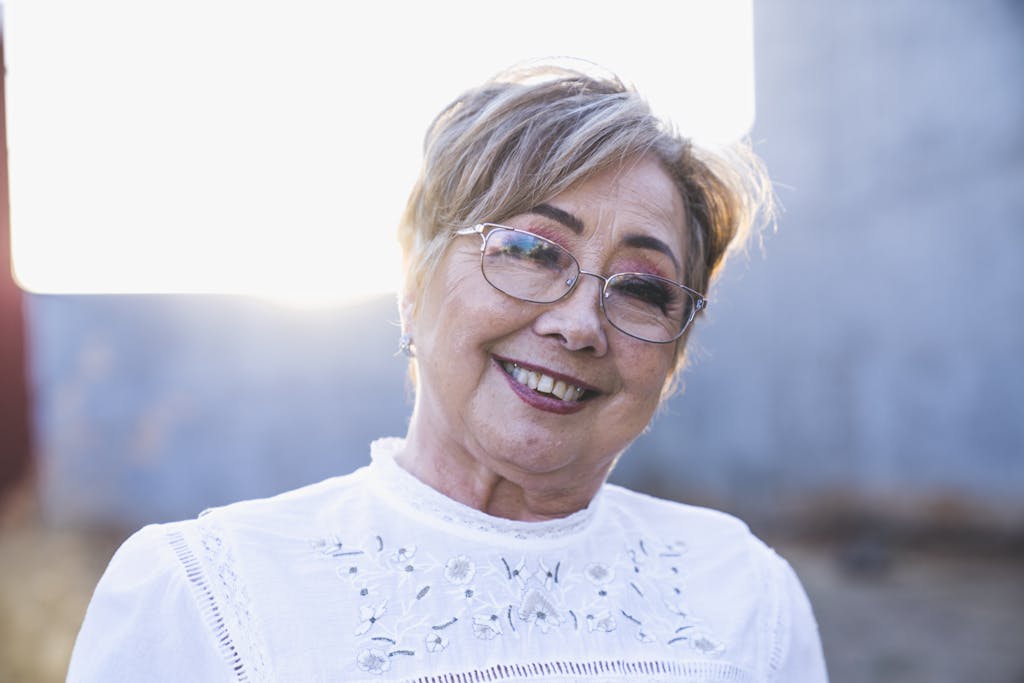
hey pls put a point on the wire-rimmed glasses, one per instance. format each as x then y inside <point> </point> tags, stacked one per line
<point>532,268</point>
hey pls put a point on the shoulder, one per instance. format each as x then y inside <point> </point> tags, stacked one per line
<point>144,622</point>
<point>715,544</point>
<point>303,507</point>
<point>159,549</point>
<point>147,557</point>
<point>709,536</point>
<point>695,522</point>
<point>734,580</point>
<point>163,609</point>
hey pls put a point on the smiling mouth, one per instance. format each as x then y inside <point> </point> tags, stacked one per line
<point>545,384</point>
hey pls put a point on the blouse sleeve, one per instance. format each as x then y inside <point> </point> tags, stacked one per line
<point>801,660</point>
<point>143,623</point>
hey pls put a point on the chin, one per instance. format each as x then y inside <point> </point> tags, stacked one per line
<point>540,455</point>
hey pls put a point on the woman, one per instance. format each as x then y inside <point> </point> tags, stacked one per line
<point>556,246</point>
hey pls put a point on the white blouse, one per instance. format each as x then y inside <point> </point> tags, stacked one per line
<point>376,576</point>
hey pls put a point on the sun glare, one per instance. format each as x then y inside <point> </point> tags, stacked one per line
<point>267,148</point>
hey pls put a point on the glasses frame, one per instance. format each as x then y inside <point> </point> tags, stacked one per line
<point>485,230</point>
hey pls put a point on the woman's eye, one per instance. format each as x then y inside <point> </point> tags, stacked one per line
<point>546,255</point>
<point>647,291</point>
<point>529,248</point>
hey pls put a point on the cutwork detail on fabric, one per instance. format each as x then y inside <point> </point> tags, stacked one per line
<point>208,605</point>
<point>776,618</point>
<point>600,671</point>
<point>235,624</point>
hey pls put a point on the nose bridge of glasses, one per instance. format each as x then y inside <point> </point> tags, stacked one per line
<point>580,316</point>
<point>585,297</point>
<point>574,280</point>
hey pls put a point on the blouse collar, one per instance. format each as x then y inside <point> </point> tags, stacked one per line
<point>405,490</point>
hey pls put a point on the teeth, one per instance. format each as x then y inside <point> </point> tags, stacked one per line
<point>559,389</point>
<point>543,383</point>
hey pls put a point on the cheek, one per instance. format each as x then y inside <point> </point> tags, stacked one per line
<point>450,287</point>
<point>461,314</point>
<point>647,370</point>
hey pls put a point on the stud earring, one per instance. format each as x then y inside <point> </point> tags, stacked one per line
<point>405,345</point>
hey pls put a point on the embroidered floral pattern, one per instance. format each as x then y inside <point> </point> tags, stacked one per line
<point>373,661</point>
<point>487,626</point>
<point>369,616</point>
<point>436,642</point>
<point>599,574</point>
<point>639,590</point>
<point>536,609</point>
<point>700,640</point>
<point>703,642</point>
<point>602,621</point>
<point>675,602</point>
<point>459,570</point>
<point>404,555</point>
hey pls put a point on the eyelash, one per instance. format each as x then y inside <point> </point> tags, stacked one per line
<point>637,263</point>
<point>547,233</point>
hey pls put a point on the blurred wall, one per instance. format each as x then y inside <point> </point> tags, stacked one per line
<point>876,349</point>
<point>154,407</point>
<point>871,353</point>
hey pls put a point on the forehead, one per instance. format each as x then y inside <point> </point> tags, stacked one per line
<point>635,198</point>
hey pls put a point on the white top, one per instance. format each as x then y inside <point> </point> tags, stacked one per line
<point>376,576</point>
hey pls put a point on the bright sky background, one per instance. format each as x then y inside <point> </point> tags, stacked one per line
<point>267,147</point>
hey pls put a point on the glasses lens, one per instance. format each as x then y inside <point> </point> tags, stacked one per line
<point>647,306</point>
<point>526,266</point>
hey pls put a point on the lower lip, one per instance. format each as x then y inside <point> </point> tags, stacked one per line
<point>531,398</point>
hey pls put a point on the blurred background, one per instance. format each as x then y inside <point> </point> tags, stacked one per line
<point>857,391</point>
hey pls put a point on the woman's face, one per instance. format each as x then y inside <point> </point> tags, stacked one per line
<point>467,335</point>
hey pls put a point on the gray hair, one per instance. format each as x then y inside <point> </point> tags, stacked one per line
<point>531,133</point>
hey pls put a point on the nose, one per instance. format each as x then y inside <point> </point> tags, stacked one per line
<point>577,320</point>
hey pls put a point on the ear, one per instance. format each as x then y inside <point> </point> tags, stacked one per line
<point>407,311</point>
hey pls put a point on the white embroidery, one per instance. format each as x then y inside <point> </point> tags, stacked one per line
<point>373,660</point>
<point>487,626</point>
<point>234,603</point>
<point>436,642</point>
<point>639,589</point>
<point>370,615</point>
<point>459,570</point>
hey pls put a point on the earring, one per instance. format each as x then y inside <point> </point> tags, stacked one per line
<point>405,345</point>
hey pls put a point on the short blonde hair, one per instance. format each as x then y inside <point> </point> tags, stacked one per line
<point>531,133</point>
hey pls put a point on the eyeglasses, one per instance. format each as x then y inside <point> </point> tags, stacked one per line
<point>534,269</point>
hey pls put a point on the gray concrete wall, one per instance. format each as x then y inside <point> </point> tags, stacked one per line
<point>876,349</point>
<point>872,353</point>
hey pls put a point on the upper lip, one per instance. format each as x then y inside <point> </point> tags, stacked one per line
<point>568,379</point>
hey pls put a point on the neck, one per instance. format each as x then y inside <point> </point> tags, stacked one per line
<point>480,481</point>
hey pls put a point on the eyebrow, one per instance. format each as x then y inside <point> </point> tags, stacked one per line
<point>576,225</point>
<point>648,242</point>
<point>564,217</point>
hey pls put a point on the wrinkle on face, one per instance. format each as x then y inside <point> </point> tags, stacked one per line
<point>471,437</point>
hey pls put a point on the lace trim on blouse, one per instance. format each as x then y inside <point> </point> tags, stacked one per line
<point>405,489</point>
<point>222,600</point>
<point>775,616</point>
<point>602,671</point>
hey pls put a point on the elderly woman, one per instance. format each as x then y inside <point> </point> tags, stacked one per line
<point>557,246</point>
